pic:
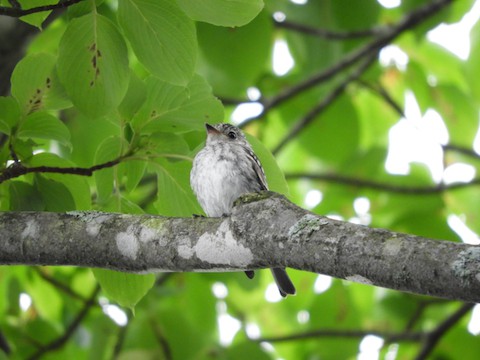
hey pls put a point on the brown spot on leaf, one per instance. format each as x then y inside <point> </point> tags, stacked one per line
<point>48,82</point>
<point>153,113</point>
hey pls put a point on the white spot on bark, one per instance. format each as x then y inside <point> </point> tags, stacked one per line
<point>222,248</point>
<point>127,243</point>
<point>31,229</point>
<point>359,279</point>
<point>94,224</point>
<point>392,247</point>
<point>185,251</point>
<point>477,277</point>
<point>147,234</point>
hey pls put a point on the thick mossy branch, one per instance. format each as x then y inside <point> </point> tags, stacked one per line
<point>264,230</point>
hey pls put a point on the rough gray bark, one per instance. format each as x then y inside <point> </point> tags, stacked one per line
<point>264,230</point>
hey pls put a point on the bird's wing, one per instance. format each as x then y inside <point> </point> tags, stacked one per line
<point>257,167</point>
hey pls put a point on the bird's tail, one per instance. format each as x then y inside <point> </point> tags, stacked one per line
<point>285,285</point>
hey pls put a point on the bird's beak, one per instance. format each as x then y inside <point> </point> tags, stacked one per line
<point>211,130</point>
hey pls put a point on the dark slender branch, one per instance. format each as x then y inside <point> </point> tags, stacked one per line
<point>17,11</point>
<point>59,285</point>
<point>162,341</point>
<point>328,34</point>
<point>339,333</point>
<point>15,4</point>
<point>60,341</point>
<point>365,183</point>
<point>382,92</point>
<point>122,333</point>
<point>4,346</point>
<point>462,150</point>
<point>17,169</point>
<point>409,21</point>
<point>434,336</point>
<point>324,104</point>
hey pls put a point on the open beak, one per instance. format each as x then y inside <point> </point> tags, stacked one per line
<point>211,130</point>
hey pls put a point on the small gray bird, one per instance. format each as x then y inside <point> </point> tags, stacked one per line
<point>223,170</point>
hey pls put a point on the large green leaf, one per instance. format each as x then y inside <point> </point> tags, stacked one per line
<point>175,198</point>
<point>334,135</point>
<point>125,289</point>
<point>56,196</point>
<point>77,185</point>
<point>24,197</point>
<point>9,114</point>
<point>93,64</point>
<point>35,84</point>
<point>222,12</point>
<point>175,108</point>
<point>42,125</point>
<point>162,37</point>
<point>110,149</point>
<point>224,61</point>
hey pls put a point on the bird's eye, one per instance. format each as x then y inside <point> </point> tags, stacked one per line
<point>232,135</point>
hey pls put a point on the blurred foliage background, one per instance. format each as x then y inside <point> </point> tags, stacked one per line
<point>370,121</point>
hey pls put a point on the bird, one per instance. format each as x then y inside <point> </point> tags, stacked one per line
<point>225,169</point>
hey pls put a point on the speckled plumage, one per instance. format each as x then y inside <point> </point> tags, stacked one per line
<point>223,170</point>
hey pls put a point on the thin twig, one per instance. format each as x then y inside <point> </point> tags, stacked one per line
<point>328,34</point>
<point>432,338</point>
<point>365,183</point>
<point>382,92</point>
<point>338,333</point>
<point>19,12</point>
<point>462,150</point>
<point>324,104</point>
<point>17,169</point>
<point>60,341</point>
<point>59,285</point>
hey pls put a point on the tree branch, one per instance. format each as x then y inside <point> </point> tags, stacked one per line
<point>323,105</point>
<point>376,185</point>
<point>60,341</point>
<point>410,20</point>
<point>328,34</point>
<point>265,230</point>
<point>432,338</point>
<point>17,169</point>
<point>17,11</point>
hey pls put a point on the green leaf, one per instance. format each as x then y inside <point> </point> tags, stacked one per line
<point>38,18</point>
<point>162,37</point>
<point>110,149</point>
<point>176,108</point>
<point>246,350</point>
<point>222,12</point>
<point>93,64</point>
<point>334,134</point>
<point>134,170</point>
<point>135,97</point>
<point>35,84</point>
<point>77,185</point>
<point>175,197</point>
<point>42,125</point>
<point>275,177</point>
<point>223,60</point>
<point>25,197</point>
<point>56,196</point>
<point>125,289</point>
<point>458,112</point>
<point>9,114</point>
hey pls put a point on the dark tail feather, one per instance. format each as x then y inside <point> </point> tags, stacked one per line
<point>250,274</point>
<point>285,285</point>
